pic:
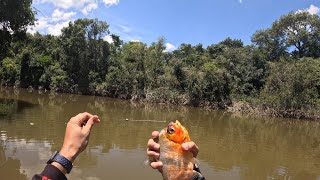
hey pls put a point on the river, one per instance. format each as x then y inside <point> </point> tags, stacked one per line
<point>231,146</point>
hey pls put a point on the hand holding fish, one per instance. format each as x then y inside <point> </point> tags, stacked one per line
<point>154,150</point>
<point>177,157</point>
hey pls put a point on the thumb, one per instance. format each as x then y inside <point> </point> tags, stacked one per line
<point>87,128</point>
<point>191,147</point>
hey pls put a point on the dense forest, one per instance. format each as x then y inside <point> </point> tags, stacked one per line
<point>277,75</point>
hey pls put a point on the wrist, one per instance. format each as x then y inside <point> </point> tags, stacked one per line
<point>71,155</point>
<point>60,167</point>
<point>60,162</point>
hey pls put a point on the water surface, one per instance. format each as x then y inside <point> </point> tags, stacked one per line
<point>32,126</point>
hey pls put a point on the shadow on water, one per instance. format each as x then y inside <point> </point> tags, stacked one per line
<point>9,107</point>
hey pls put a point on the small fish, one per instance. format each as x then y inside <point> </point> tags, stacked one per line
<point>177,163</point>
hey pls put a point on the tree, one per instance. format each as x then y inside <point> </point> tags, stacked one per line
<point>300,30</point>
<point>232,43</point>
<point>293,85</point>
<point>84,50</point>
<point>297,33</point>
<point>9,71</point>
<point>133,55</point>
<point>269,44</point>
<point>15,17</point>
<point>246,72</point>
<point>154,63</point>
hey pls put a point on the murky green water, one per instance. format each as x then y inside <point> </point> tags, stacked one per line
<point>231,147</point>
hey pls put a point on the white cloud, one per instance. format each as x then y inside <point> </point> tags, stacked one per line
<point>40,25</point>
<point>135,40</point>
<point>87,9</point>
<point>58,15</point>
<point>169,47</point>
<point>313,9</point>
<point>53,24</point>
<point>66,4</point>
<point>126,32</point>
<point>85,6</point>
<point>111,2</point>
<point>55,29</point>
<point>108,38</point>
<point>124,28</point>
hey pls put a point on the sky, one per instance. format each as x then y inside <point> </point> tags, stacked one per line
<point>178,21</point>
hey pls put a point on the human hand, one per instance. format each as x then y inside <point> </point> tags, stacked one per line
<point>77,135</point>
<point>154,150</point>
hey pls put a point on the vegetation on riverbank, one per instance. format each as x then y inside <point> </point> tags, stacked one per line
<point>279,72</point>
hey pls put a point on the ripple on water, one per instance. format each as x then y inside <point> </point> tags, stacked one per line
<point>3,136</point>
<point>280,172</point>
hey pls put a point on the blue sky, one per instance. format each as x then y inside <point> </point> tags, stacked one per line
<point>179,21</point>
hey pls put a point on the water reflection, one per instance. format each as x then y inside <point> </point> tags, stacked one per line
<point>231,147</point>
<point>8,107</point>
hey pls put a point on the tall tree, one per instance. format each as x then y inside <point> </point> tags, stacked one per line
<point>297,33</point>
<point>15,17</point>
<point>270,45</point>
<point>300,30</point>
<point>154,63</point>
<point>84,51</point>
<point>134,54</point>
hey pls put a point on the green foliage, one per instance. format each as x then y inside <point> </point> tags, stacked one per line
<point>296,33</point>
<point>15,16</point>
<point>293,85</point>
<point>270,46</point>
<point>81,61</point>
<point>133,55</point>
<point>154,64</point>
<point>9,71</point>
<point>7,107</point>
<point>119,82</point>
<point>245,71</point>
<point>55,78</point>
<point>84,50</point>
<point>215,84</point>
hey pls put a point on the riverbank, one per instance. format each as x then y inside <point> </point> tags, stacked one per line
<point>245,108</point>
<point>171,98</point>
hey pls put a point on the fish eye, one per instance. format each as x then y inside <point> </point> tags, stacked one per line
<point>171,130</point>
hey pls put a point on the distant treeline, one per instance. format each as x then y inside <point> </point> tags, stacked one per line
<point>279,74</point>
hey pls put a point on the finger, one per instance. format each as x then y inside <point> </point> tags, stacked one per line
<point>153,145</point>
<point>87,128</point>
<point>192,147</point>
<point>83,121</point>
<point>82,117</point>
<point>153,154</point>
<point>156,165</point>
<point>155,134</point>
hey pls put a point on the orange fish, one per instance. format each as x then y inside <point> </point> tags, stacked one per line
<point>177,163</point>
